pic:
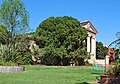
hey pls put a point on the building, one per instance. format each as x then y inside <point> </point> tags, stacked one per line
<point>91,39</point>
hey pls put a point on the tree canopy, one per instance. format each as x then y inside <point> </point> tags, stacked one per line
<point>14,16</point>
<point>101,50</point>
<point>62,37</point>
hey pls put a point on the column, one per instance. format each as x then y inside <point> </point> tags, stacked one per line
<point>107,60</point>
<point>93,51</point>
<point>88,43</point>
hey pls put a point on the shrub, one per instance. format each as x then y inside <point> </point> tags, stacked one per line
<point>61,37</point>
<point>113,70</point>
<point>19,53</point>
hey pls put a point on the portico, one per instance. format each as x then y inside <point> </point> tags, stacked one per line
<point>91,39</point>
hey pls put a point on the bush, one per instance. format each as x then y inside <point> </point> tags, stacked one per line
<point>61,38</point>
<point>19,53</point>
<point>113,70</point>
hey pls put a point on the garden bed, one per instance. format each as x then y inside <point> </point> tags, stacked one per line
<point>106,79</point>
<point>12,68</point>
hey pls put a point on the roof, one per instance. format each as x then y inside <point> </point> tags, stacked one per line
<point>86,22</point>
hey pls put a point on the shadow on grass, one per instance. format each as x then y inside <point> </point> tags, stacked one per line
<point>98,73</point>
<point>82,83</point>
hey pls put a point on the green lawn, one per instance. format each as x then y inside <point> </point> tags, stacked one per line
<point>50,75</point>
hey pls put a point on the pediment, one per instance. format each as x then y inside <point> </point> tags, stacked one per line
<point>90,28</point>
<point>88,25</point>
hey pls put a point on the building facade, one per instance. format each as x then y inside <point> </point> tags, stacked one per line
<point>91,39</point>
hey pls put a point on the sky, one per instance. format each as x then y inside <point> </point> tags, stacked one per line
<point>104,14</point>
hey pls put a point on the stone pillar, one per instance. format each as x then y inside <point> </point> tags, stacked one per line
<point>107,60</point>
<point>92,59</point>
<point>93,51</point>
<point>92,46</point>
<point>88,43</point>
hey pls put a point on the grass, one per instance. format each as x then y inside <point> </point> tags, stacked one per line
<point>50,75</point>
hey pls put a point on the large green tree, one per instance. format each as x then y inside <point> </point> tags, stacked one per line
<point>15,18</point>
<point>61,38</point>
